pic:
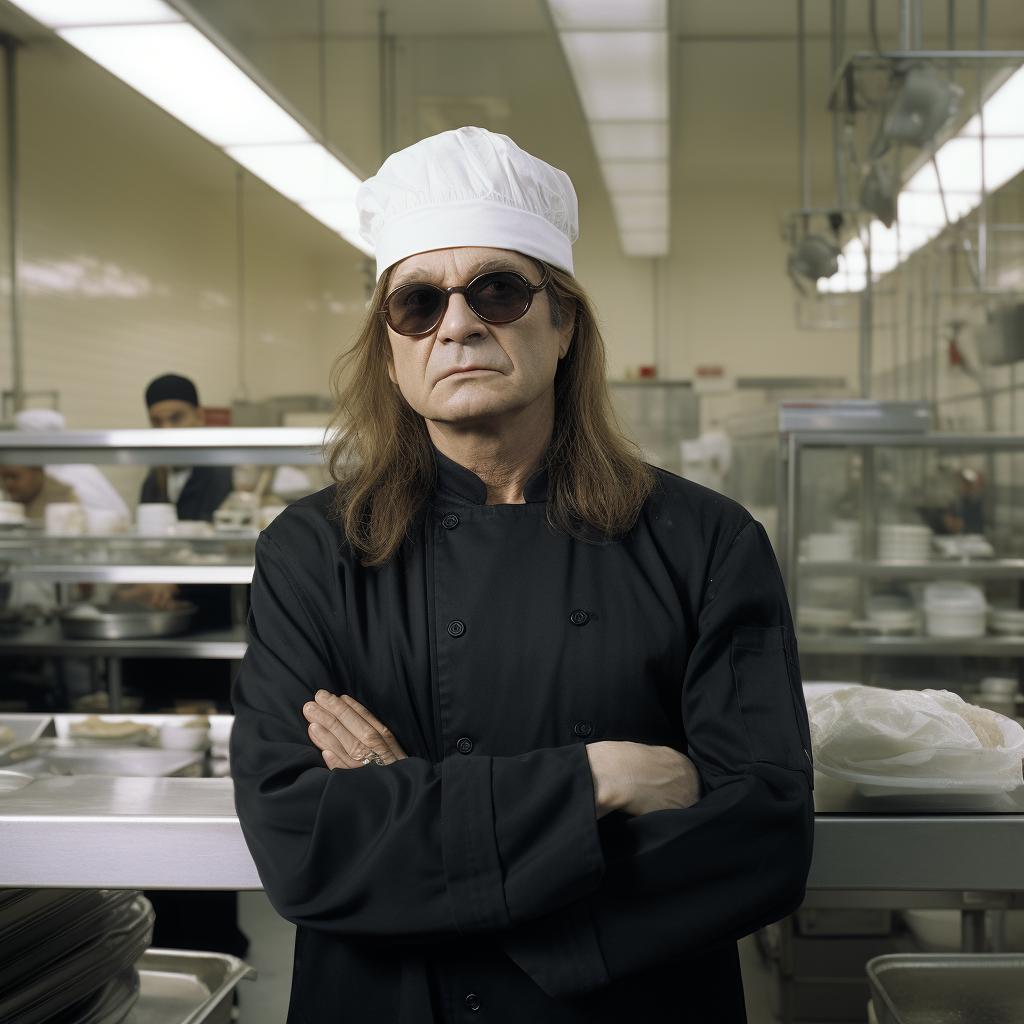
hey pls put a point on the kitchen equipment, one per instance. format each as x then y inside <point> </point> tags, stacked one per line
<point>964,545</point>
<point>939,931</point>
<point>55,758</point>
<point>889,613</point>
<point>20,728</point>
<point>824,619</point>
<point>180,986</point>
<point>955,609</point>
<point>900,542</point>
<point>187,735</point>
<point>124,620</point>
<point>64,519</point>
<point>943,988</point>
<point>155,519</point>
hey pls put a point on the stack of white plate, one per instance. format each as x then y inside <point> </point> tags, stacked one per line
<point>1006,619</point>
<point>898,542</point>
<point>830,547</point>
<point>955,609</point>
<point>890,613</point>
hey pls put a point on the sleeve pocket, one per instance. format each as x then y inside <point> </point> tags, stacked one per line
<point>767,674</point>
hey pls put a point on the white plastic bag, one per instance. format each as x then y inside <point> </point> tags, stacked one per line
<point>918,734</point>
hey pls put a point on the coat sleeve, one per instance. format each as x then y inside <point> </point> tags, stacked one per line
<point>680,881</point>
<point>407,851</point>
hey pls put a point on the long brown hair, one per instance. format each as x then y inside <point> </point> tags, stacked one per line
<point>383,461</point>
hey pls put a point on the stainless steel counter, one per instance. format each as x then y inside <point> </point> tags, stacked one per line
<point>92,832</point>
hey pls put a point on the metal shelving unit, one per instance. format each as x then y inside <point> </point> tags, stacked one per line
<point>868,450</point>
<point>27,554</point>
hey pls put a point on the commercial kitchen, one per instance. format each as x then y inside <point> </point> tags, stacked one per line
<point>801,226</point>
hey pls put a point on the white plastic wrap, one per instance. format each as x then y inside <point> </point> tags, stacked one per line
<point>915,734</point>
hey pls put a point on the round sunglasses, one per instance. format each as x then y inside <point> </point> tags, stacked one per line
<point>500,297</point>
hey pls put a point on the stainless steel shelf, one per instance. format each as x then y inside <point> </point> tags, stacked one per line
<point>78,573</point>
<point>982,646</point>
<point>195,446</point>
<point>976,569</point>
<point>164,833</point>
<point>226,644</point>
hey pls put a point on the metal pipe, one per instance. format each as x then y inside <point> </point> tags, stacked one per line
<point>321,52</point>
<point>983,205</point>
<point>904,24</point>
<point>242,390</point>
<point>867,323</point>
<point>801,87</point>
<point>838,31</point>
<point>10,45</point>
<point>915,25</point>
<point>382,83</point>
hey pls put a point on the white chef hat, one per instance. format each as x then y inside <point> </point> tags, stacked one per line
<point>468,187</point>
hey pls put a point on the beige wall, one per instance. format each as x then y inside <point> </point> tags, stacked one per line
<point>129,250</point>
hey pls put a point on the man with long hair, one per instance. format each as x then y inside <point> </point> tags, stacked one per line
<point>519,735</point>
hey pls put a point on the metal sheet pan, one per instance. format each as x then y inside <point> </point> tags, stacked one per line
<point>128,624</point>
<point>182,986</point>
<point>947,988</point>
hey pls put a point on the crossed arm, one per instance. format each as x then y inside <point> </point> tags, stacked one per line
<point>631,777</point>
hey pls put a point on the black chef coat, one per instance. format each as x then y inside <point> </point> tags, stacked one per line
<point>472,881</point>
<point>204,490</point>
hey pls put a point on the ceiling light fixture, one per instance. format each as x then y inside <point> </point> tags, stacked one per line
<point>617,51</point>
<point>949,186</point>
<point>166,52</point>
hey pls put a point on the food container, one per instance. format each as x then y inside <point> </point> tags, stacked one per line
<point>155,519</point>
<point>193,734</point>
<point>955,609</point>
<point>943,988</point>
<point>124,621</point>
<point>180,986</point>
<point>19,728</point>
<point>998,694</point>
<point>1006,619</point>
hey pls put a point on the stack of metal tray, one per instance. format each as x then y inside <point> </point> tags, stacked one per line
<point>947,988</point>
<point>181,986</point>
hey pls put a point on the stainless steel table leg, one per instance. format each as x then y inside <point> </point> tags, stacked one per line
<point>972,931</point>
<point>114,684</point>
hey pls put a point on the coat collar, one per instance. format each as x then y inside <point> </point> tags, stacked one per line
<point>464,484</point>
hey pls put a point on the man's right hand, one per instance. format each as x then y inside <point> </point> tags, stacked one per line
<point>636,778</point>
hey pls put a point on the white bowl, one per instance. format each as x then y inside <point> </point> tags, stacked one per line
<point>183,737</point>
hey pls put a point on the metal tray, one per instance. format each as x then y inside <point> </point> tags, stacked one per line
<point>947,988</point>
<point>130,624</point>
<point>181,986</point>
<point>51,757</point>
<point>25,728</point>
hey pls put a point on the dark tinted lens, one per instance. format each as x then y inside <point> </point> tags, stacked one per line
<point>414,309</point>
<point>499,297</point>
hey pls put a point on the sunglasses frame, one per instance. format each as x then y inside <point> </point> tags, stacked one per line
<point>532,289</point>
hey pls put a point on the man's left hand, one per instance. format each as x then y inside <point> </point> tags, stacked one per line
<point>347,734</point>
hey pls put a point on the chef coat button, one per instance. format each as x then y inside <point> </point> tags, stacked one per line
<point>579,617</point>
<point>464,745</point>
<point>456,628</point>
<point>450,522</point>
<point>583,728</point>
<point>473,1001</point>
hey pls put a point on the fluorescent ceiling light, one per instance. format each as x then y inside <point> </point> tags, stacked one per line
<point>630,140</point>
<point>611,14</point>
<point>151,47</point>
<point>66,13</point>
<point>921,215</point>
<point>620,75</point>
<point>617,51</point>
<point>636,175</point>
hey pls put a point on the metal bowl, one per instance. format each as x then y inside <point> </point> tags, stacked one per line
<point>131,624</point>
